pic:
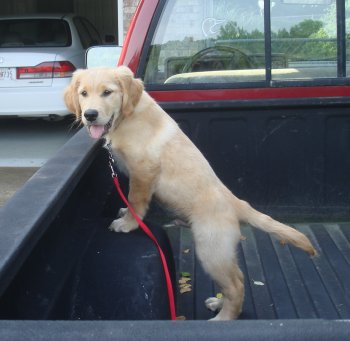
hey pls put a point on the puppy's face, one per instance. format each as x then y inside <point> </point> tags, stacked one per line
<point>99,97</point>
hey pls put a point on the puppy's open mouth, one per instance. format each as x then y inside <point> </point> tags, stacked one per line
<point>98,131</point>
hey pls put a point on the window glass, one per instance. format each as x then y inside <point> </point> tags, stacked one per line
<point>223,41</point>
<point>87,33</point>
<point>34,33</point>
<point>94,36</point>
<point>303,35</point>
<point>83,33</point>
<point>208,41</point>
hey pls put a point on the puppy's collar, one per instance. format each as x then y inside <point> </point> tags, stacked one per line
<point>108,125</point>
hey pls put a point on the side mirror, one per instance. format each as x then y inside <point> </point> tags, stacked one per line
<point>103,56</point>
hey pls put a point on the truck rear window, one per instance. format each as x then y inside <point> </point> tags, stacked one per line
<point>220,41</point>
<point>34,33</point>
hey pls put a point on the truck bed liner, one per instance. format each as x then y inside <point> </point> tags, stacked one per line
<point>281,282</point>
<point>288,295</point>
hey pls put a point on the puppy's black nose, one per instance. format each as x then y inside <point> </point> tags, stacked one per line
<point>91,114</point>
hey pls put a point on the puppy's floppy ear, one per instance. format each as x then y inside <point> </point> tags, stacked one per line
<point>131,87</point>
<point>71,96</point>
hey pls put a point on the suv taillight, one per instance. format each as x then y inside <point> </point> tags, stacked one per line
<point>46,70</point>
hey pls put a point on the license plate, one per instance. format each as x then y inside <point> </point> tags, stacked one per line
<point>7,73</point>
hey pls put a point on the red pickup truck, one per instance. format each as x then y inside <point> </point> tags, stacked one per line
<point>262,89</point>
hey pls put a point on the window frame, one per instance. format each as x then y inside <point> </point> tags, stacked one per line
<point>269,82</point>
<point>92,31</point>
<point>84,33</point>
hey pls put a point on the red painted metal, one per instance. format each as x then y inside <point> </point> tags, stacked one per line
<point>250,93</point>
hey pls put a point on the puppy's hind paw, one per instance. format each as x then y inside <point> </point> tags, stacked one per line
<point>122,212</point>
<point>214,304</point>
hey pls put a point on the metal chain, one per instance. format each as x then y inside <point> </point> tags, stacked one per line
<point>111,160</point>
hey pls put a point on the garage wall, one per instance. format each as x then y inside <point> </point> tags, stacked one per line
<point>102,13</point>
<point>14,7</point>
<point>17,7</point>
<point>62,6</point>
<point>129,7</point>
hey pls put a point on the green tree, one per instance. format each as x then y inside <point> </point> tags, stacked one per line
<point>232,31</point>
<point>305,29</point>
<point>292,43</point>
<point>281,34</point>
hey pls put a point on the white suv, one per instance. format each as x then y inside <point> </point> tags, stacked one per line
<point>38,55</point>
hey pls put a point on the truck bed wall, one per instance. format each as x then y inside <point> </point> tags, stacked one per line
<point>288,158</point>
<point>70,268</point>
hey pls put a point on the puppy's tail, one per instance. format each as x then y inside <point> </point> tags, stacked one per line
<point>265,223</point>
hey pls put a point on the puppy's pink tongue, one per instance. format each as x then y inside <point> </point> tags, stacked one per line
<point>96,131</point>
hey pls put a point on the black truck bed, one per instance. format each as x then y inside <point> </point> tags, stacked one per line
<point>288,295</point>
<point>281,282</point>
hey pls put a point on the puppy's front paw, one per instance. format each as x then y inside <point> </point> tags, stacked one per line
<point>122,212</point>
<point>123,225</point>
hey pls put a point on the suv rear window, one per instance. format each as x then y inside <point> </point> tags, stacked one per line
<point>34,33</point>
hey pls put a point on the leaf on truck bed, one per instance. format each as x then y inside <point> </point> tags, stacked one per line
<point>184,280</point>
<point>185,274</point>
<point>184,286</point>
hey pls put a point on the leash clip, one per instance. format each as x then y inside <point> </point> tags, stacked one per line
<point>111,161</point>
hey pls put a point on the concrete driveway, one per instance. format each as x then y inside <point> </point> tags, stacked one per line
<point>11,179</point>
<point>25,145</point>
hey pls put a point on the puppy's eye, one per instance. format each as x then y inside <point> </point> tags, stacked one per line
<point>84,93</point>
<point>106,93</point>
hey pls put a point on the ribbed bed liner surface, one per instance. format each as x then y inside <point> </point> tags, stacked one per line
<point>281,282</point>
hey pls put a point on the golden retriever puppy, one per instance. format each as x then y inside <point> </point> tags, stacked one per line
<point>161,161</point>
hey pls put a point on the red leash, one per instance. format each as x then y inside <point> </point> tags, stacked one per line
<point>150,234</point>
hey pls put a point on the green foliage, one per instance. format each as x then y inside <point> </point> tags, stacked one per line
<point>307,40</point>
<point>305,29</point>
<point>231,30</point>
